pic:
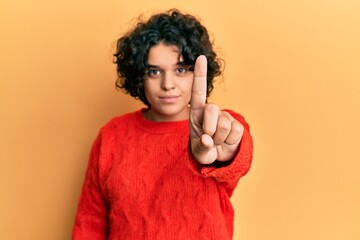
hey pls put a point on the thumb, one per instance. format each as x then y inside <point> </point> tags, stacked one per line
<point>203,149</point>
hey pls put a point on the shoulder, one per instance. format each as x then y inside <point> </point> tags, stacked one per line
<point>118,122</point>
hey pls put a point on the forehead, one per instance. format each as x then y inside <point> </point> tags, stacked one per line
<point>163,54</point>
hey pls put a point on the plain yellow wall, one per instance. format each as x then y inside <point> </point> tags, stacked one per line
<point>292,68</point>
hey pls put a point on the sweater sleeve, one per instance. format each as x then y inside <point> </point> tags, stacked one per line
<point>91,220</point>
<point>229,173</point>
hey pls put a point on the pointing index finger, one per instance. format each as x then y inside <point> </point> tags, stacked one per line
<point>199,86</point>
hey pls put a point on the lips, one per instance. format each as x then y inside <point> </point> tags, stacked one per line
<point>168,99</point>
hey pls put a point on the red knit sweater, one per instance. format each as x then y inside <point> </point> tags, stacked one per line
<point>143,183</point>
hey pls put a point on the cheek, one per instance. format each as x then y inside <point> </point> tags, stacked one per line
<point>147,91</point>
<point>147,87</point>
<point>188,87</point>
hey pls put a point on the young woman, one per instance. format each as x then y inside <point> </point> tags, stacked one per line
<point>166,171</point>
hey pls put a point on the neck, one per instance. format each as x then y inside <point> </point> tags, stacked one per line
<point>151,115</point>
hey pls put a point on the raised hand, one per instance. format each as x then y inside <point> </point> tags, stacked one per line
<point>215,134</point>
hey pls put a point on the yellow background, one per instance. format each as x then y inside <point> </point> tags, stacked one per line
<point>292,68</point>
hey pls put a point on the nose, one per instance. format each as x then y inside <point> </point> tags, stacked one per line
<point>168,81</point>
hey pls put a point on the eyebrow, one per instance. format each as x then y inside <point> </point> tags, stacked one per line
<point>152,66</point>
<point>177,64</point>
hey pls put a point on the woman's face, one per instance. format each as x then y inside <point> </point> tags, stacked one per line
<point>167,84</point>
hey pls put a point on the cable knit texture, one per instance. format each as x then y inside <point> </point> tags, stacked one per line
<point>143,183</point>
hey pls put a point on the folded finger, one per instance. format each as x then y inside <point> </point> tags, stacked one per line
<point>235,134</point>
<point>223,129</point>
<point>210,119</point>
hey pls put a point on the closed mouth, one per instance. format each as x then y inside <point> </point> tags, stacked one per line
<point>168,97</point>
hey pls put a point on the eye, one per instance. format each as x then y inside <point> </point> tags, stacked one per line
<point>181,70</point>
<point>184,69</point>
<point>152,72</point>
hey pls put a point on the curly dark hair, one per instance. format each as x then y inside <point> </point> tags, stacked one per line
<point>171,28</point>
